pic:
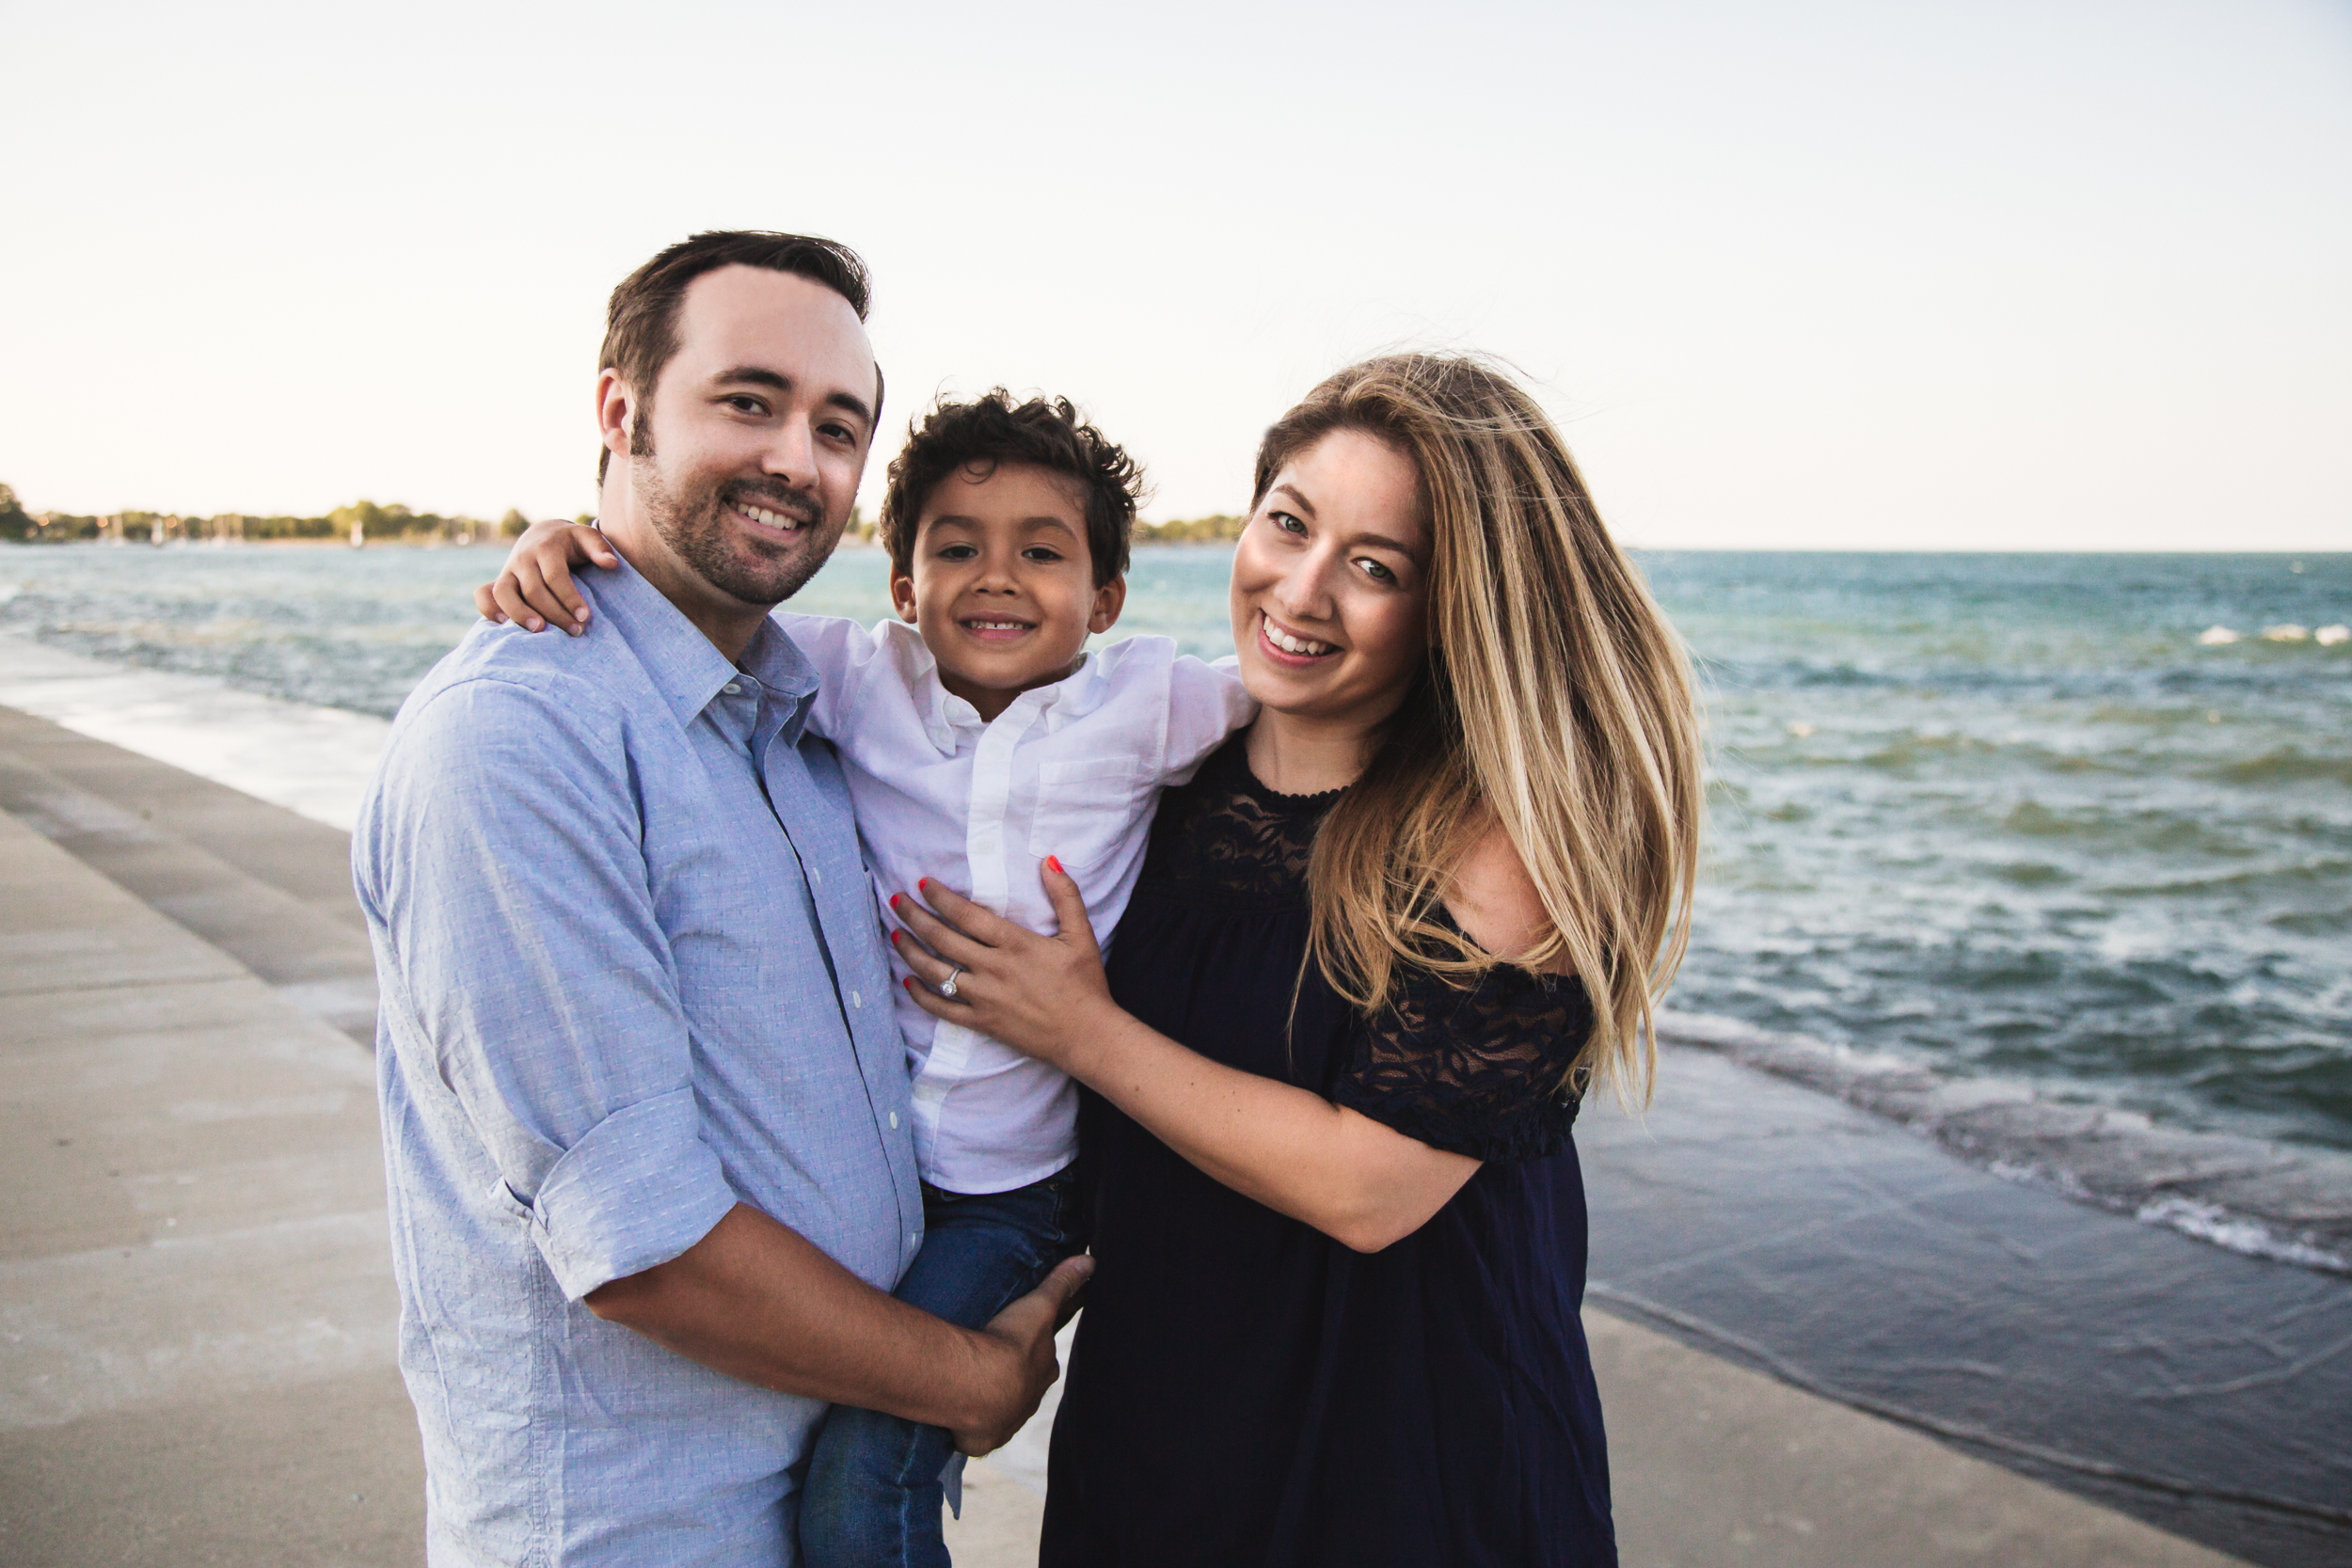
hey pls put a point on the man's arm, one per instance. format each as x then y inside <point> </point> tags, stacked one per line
<point>501,860</point>
<point>756,1301</point>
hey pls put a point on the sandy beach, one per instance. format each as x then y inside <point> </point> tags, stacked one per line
<point>198,1361</point>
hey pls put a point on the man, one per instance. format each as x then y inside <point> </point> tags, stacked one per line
<point>646,1113</point>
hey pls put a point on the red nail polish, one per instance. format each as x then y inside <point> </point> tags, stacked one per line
<point>909,983</point>
<point>1054,862</point>
<point>894,902</point>
<point>921,882</point>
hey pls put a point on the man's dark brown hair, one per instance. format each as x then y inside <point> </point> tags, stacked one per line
<point>993,429</point>
<point>640,323</point>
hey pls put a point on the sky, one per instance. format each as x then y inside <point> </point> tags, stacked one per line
<point>1815,274</point>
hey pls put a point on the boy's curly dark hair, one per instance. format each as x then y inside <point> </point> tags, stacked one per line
<point>993,429</point>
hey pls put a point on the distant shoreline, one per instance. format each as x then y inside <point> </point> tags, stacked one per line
<point>1142,540</point>
<point>406,542</point>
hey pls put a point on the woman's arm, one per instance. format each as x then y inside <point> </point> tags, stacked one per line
<point>1361,1183</point>
<point>534,587</point>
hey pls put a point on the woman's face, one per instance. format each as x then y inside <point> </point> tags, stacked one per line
<point>1331,583</point>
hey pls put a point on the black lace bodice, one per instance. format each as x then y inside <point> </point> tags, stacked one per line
<point>1226,839</point>
<point>1481,1070</point>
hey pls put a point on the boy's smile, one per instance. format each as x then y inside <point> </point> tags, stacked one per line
<point>1003,590</point>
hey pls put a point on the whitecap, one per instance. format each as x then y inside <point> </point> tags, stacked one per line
<point>2328,637</point>
<point>2215,636</point>
<point>2287,632</point>
<point>2210,1222</point>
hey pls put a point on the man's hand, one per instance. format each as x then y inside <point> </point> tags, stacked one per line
<point>1024,1334</point>
<point>757,1301</point>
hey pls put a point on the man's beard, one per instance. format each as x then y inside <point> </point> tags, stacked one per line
<point>691,524</point>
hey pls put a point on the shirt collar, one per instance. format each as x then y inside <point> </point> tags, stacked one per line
<point>680,661</point>
<point>945,714</point>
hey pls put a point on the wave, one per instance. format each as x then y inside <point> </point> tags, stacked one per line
<point>2320,869</point>
<point>2287,765</point>
<point>2284,632</point>
<point>2263,1200</point>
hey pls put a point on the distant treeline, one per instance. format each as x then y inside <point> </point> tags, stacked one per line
<point>374,521</point>
<point>1184,531</point>
<point>1191,530</point>
<point>398,523</point>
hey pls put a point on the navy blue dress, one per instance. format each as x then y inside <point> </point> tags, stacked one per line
<point>1246,1391</point>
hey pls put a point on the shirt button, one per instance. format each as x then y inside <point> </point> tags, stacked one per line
<point>856,1000</point>
<point>915,1239</point>
<point>894,1120</point>
<point>732,689</point>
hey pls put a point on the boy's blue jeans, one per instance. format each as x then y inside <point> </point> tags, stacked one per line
<point>873,1496</point>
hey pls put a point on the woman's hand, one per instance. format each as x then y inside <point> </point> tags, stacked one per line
<point>534,588</point>
<point>1045,995</point>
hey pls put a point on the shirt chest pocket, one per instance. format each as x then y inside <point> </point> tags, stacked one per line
<point>1082,808</point>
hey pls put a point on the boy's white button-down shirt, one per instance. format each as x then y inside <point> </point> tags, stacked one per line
<point>1072,770</point>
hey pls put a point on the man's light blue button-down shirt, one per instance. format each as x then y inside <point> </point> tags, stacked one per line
<point>631,976</point>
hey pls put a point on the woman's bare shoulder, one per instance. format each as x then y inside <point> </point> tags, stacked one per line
<point>1494,900</point>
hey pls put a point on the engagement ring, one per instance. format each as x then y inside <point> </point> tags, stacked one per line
<point>948,986</point>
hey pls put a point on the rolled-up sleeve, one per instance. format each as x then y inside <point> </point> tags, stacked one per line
<point>510,878</point>
<point>636,1190</point>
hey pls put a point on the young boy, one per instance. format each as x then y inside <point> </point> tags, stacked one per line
<point>978,736</point>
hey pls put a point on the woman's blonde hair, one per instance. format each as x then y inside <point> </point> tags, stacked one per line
<point>1554,699</point>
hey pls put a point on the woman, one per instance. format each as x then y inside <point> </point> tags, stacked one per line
<point>1383,944</point>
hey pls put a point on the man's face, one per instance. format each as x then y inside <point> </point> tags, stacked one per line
<point>750,455</point>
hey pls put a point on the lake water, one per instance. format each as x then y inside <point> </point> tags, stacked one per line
<point>2006,816</point>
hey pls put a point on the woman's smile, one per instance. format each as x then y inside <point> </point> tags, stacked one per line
<point>1289,648</point>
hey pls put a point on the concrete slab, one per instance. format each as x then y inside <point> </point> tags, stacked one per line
<point>37,1019</point>
<point>220,1316</point>
<point>197,1310</point>
<point>324,1474</point>
<point>1714,1466</point>
<point>64,929</point>
<point>318,954</point>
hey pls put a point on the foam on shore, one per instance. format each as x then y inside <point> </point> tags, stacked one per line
<point>316,761</point>
<point>2264,1199</point>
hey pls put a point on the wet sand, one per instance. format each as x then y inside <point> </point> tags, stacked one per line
<point>199,1311</point>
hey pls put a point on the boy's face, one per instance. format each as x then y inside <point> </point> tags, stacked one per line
<point>1003,587</point>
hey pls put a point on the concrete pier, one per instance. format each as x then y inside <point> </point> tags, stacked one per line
<point>195,1297</point>
<point>196,1304</point>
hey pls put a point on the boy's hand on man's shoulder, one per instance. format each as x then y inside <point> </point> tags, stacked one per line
<point>534,589</point>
